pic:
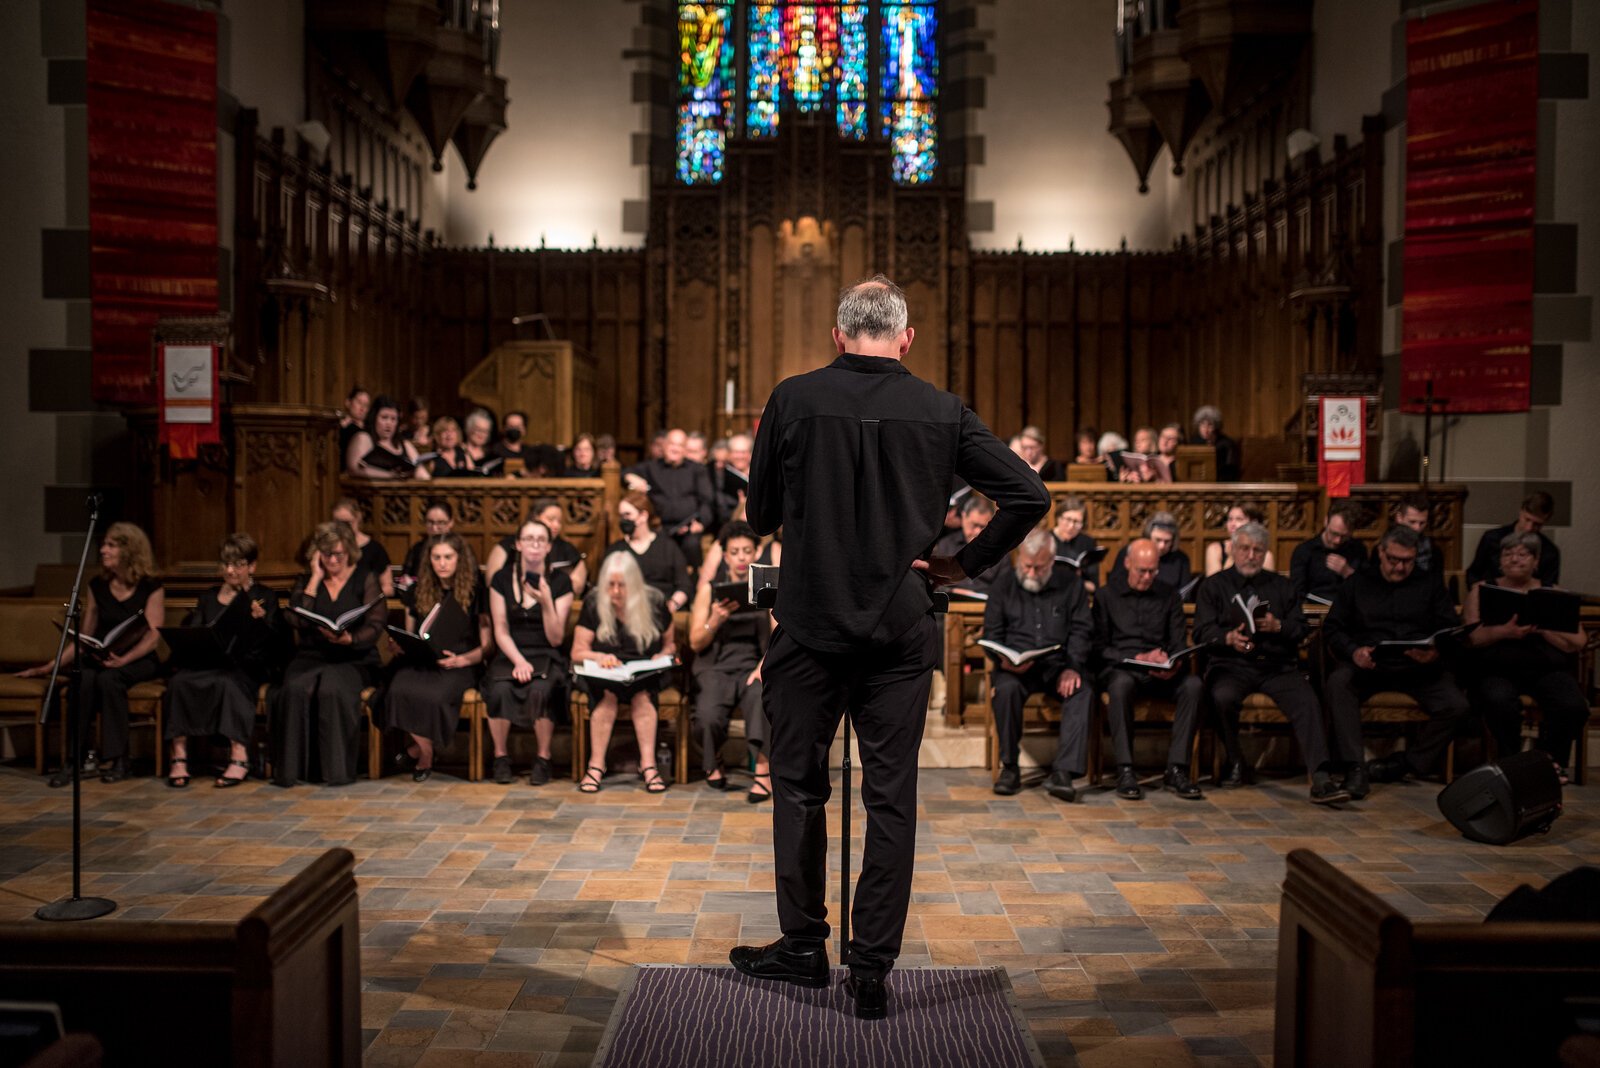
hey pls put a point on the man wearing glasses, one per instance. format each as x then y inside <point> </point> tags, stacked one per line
<point>1390,600</point>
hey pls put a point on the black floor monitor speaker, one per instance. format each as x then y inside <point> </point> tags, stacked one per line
<point>1501,802</point>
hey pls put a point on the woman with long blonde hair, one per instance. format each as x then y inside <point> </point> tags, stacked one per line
<point>126,587</point>
<point>450,613</point>
<point>622,619</point>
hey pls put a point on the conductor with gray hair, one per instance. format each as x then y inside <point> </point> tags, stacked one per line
<point>855,461</point>
<point>1036,605</point>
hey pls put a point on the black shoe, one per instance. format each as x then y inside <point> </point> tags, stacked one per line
<point>871,997</point>
<point>1234,775</point>
<point>1128,786</point>
<point>1356,782</point>
<point>1177,780</point>
<point>502,770</point>
<point>1388,769</point>
<point>540,773</point>
<point>421,774</point>
<point>1325,792</point>
<point>1009,782</point>
<point>1059,786</point>
<point>717,784</point>
<point>779,963</point>
<point>404,761</point>
<point>115,771</point>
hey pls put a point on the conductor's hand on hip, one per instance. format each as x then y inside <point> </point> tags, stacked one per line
<point>940,570</point>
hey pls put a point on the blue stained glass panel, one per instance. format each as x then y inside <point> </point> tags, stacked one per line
<point>702,142</point>
<point>765,79</point>
<point>705,90</point>
<point>851,87</point>
<point>910,53</point>
<point>914,135</point>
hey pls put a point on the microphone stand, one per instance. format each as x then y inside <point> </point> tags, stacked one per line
<point>75,907</point>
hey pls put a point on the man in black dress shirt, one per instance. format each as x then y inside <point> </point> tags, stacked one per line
<point>1139,617</point>
<point>681,491</point>
<point>1265,660</point>
<point>1175,569</point>
<point>1536,510</point>
<point>1384,601</point>
<point>1321,563</point>
<point>976,512</point>
<point>855,461</point>
<point>1035,605</point>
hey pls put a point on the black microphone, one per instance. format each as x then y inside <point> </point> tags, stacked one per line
<point>94,503</point>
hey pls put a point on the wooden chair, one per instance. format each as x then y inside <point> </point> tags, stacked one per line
<point>1147,712</point>
<point>473,712</point>
<point>1390,708</point>
<point>671,708</point>
<point>27,637</point>
<point>1359,983</point>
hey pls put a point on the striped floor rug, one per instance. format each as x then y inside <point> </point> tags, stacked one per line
<point>678,1016</point>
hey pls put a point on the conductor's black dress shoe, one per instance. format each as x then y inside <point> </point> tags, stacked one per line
<point>871,997</point>
<point>783,964</point>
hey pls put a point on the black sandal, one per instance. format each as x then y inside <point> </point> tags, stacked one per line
<point>591,781</point>
<point>719,783</point>
<point>653,782</point>
<point>178,782</point>
<point>224,783</point>
<point>755,781</point>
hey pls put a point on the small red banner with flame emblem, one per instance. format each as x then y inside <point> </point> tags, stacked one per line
<point>1342,444</point>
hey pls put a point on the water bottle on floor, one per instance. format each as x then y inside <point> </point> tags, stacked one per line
<point>664,760</point>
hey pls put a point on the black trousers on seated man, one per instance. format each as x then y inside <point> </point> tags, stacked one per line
<point>1229,682</point>
<point>1433,690</point>
<point>1012,689</point>
<point>805,692</point>
<point>1123,688</point>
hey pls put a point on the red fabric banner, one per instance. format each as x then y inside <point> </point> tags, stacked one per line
<point>152,72</point>
<point>1472,94</point>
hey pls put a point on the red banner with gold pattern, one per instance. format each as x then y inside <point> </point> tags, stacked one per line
<point>1472,94</point>
<point>152,74</point>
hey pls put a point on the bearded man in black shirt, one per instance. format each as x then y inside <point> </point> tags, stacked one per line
<point>855,461</point>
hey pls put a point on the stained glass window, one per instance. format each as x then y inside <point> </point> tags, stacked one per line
<point>705,90</point>
<point>808,59</point>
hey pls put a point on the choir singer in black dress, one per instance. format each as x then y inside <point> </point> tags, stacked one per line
<point>660,561</point>
<point>529,602</point>
<point>127,587</point>
<point>855,461</point>
<point>451,614</point>
<point>320,697</point>
<point>728,637</point>
<point>206,702</point>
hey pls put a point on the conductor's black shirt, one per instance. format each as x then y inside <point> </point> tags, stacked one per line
<point>854,461</point>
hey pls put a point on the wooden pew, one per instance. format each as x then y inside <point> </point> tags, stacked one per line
<point>1360,983</point>
<point>282,987</point>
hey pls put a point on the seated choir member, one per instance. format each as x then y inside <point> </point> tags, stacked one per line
<point>1110,448</point>
<point>1175,571</point>
<point>322,684</point>
<point>529,602</point>
<point>1144,442</point>
<point>1139,616</point>
<point>582,461</point>
<point>1071,540</point>
<point>1267,661</point>
<point>1167,442</point>
<point>696,449</point>
<point>211,701</point>
<point>1321,563</point>
<point>1511,659</point>
<point>1034,605</point>
<point>681,491</point>
<point>353,418</point>
<point>126,586</point>
<point>605,450</point>
<point>1219,554</point>
<point>418,429</point>
<point>729,638</point>
<point>1412,511</point>
<point>732,482</point>
<point>1389,599</point>
<point>439,519</point>
<point>477,427</point>
<point>514,446</point>
<point>380,452</point>
<point>1208,431</point>
<point>371,554</point>
<point>622,619</point>
<point>1031,449</point>
<point>564,556</point>
<point>660,560</point>
<point>451,613</point>
<point>1534,512</point>
<point>448,458</point>
<point>1086,446</point>
<point>769,552</point>
<point>976,512</point>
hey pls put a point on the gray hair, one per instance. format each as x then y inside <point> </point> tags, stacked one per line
<point>1038,539</point>
<point>875,309</point>
<point>1522,539</point>
<point>1161,521</point>
<point>1251,532</point>
<point>1208,413</point>
<point>1032,432</point>
<point>977,502</point>
<point>639,605</point>
<point>1111,442</point>
<point>479,417</point>
<point>1404,537</point>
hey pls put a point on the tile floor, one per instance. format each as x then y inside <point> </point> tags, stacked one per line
<point>498,922</point>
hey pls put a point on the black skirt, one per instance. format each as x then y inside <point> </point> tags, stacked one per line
<point>211,702</point>
<point>427,702</point>
<point>523,703</point>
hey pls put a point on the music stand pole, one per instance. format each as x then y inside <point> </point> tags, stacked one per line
<point>844,852</point>
<point>75,907</point>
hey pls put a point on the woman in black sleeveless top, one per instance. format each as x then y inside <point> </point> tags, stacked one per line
<point>451,614</point>
<point>322,685</point>
<point>729,638</point>
<point>125,588</point>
